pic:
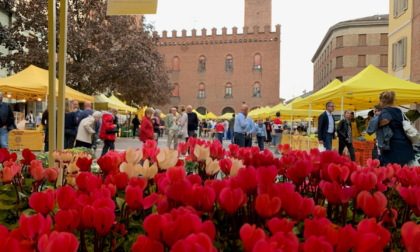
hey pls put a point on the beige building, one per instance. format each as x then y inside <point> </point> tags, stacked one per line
<point>350,46</point>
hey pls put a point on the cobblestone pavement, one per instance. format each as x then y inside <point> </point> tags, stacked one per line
<point>123,143</point>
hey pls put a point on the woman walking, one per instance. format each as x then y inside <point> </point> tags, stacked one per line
<point>108,130</point>
<point>146,130</point>
<point>344,132</point>
<point>86,130</point>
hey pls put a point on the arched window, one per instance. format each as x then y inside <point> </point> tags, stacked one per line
<point>175,64</point>
<point>256,90</point>
<point>228,90</point>
<point>202,63</point>
<point>175,91</point>
<point>257,62</point>
<point>229,63</point>
<point>201,91</point>
<point>228,110</point>
<point>202,110</point>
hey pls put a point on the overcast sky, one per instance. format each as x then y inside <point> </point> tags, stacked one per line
<point>303,23</point>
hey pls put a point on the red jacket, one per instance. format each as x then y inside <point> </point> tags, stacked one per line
<point>220,128</point>
<point>146,130</point>
<point>107,124</point>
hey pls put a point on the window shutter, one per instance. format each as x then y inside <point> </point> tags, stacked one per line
<point>404,5</point>
<point>394,56</point>
<point>395,8</point>
<point>404,51</point>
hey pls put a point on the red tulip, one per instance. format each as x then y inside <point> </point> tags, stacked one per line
<point>267,207</point>
<point>247,179</point>
<point>9,243</point>
<point>51,174</point>
<point>195,179</point>
<point>284,149</point>
<point>316,244</point>
<point>390,217</point>
<point>43,202</point>
<point>338,172</point>
<point>106,202</point>
<point>216,150</point>
<point>299,171</point>
<point>225,165</point>
<point>63,242</point>
<point>140,182</point>
<point>410,233</point>
<point>407,177</point>
<point>372,205</point>
<point>364,180</point>
<point>293,203</point>
<point>231,200</point>
<point>109,163</point>
<point>36,170</point>
<point>88,214</point>
<point>66,220</point>
<point>266,175</point>
<point>250,235</point>
<point>84,163</point>
<point>153,224</point>
<point>276,225</point>
<point>121,180</point>
<point>322,228</point>
<point>175,174</point>
<point>202,197</point>
<point>28,156</point>
<point>34,226</point>
<point>135,201</point>
<point>319,212</point>
<point>334,193</point>
<point>348,239</point>
<point>183,148</point>
<point>145,244</point>
<point>103,220</point>
<point>193,243</point>
<point>87,181</point>
<point>66,197</point>
<point>10,170</point>
<point>6,156</point>
<point>371,236</point>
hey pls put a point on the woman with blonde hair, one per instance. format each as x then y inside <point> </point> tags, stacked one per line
<point>398,149</point>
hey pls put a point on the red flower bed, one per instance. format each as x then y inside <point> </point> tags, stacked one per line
<point>239,199</point>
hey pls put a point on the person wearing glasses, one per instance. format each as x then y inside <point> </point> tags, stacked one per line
<point>326,127</point>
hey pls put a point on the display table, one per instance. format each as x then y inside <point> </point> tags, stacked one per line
<point>26,139</point>
<point>298,142</point>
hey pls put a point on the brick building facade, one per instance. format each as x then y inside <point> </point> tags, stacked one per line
<point>350,46</point>
<point>218,71</point>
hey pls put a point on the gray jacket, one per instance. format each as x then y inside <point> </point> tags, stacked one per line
<point>383,135</point>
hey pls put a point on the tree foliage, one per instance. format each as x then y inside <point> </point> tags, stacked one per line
<point>104,53</point>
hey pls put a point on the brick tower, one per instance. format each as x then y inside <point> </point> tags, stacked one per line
<point>257,12</point>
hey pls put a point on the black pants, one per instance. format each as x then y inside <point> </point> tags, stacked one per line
<point>239,139</point>
<point>268,136</point>
<point>83,144</point>
<point>69,141</point>
<point>108,145</point>
<point>135,127</point>
<point>248,140</point>
<point>343,143</point>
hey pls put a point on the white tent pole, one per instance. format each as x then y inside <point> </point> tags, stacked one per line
<point>51,127</point>
<point>342,107</point>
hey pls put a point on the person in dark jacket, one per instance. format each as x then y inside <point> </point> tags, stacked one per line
<point>326,127</point>
<point>400,147</point>
<point>147,132</point>
<point>108,130</point>
<point>136,124</point>
<point>70,125</point>
<point>156,124</point>
<point>7,122</point>
<point>344,132</point>
<point>192,122</point>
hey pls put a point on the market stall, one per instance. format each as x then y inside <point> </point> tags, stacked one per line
<point>26,139</point>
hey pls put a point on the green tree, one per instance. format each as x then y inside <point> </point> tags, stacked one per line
<point>104,53</point>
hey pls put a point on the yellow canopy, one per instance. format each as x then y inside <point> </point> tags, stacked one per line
<point>362,90</point>
<point>210,115</point>
<point>141,112</point>
<point>304,103</point>
<point>32,82</point>
<point>226,116</point>
<point>104,103</point>
<point>125,106</point>
<point>200,116</point>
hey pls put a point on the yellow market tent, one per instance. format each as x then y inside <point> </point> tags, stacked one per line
<point>200,116</point>
<point>362,91</point>
<point>310,100</point>
<point>104,103</point>
<point>125,106</point>
<point>226,116</point>
<point>33,82</point>
<point>210,115</point>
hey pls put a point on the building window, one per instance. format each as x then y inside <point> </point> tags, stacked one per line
<point>257,62</point>
<point>339,62</point>
<point>399,53</point>
<point>384,60</point>
<point>228,90</point>
<point>361,61</point>
<point>256,90</point>
<point>229,63</point>
<point>175,91</point>
<point>175,64</point>
<point>339,41</point>
<point>201,91</point>
<point>362,40</point>
<point>202,64</point>
<point>384,39</point>
<point>400,6</point>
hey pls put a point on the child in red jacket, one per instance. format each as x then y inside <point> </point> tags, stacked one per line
<point>108,130</point>
<point>220,128</point>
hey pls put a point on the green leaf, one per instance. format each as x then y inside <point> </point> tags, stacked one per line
<point>29,212</point>
<point>6,206</point>
<point>120,203</point>
<point>6,187</point>
<point>5,197</point>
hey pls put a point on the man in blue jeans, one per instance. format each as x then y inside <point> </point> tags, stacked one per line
<point>326,126</point>
<point>7,122</point>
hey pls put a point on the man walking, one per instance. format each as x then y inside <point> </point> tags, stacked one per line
<point>171,129</point>
<point>249,131</point>
<point>240,126</point>
<point>231,124</point>
<point>7,122</point>
<point>192,122</point>
<point>136,124</point>
<point>326,127</point>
